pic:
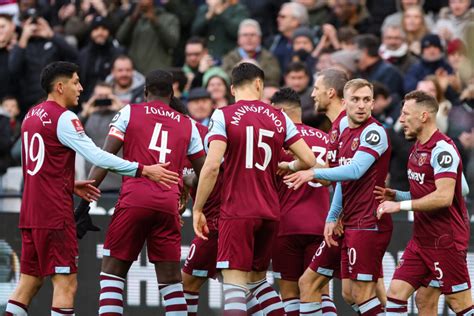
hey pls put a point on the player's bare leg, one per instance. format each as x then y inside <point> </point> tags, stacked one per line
<point>235,291</point>
<point>311,285</point>
<point>426,300</point>
<point>191,286</point>
<point>461,302</point>
<point>381,292</point>
<point>363,294</point>
<point>397,297</point>
<point>264,293</point>
<point>290,296</point>
<point>112,282</point>
<point>64,291</point>
<point>170,284</point>
<point>24,292</point>
<point>347,295</point>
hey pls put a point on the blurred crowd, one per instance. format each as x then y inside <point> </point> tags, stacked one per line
<point>398,45</point>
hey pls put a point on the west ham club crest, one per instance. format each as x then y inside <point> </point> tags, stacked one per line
<point>422,159</point>
<point>333,136</point>
<point>355,144</point>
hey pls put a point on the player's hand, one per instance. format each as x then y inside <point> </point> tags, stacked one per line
<point>283,168</point>
<point>339,229</point>
<point>159,173</point>
<point>388,207</point>
<point>85,190</point>
<point>297,179</point>
<point>328,232</point>
<point>183,200</point>
<point>384,194</point>
<point>200,224</point>
<point>83,220</point>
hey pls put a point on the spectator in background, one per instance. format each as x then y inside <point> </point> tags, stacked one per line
<point>291,16</point>
<point>197,61</point>
<point>200,105</point>
<point>346,61</point>
<point>265,12</point>
<point>95,59</point>
<point>385,110</point>
<point>452,20</point>
<point>432,62</point>
<point>126,82</point>
<point>7,40</point>
<point>150,35</point>
<point>319,12</point>
<point>298,78</point>
<point>414,26</point>
<point>353,13</point>
<point>11,108</point>
<point>37,47</point>
<point>431,85</point>
<point>397,17</point>
<point>217,83</point>
<point>373,68</point>
<point>96,115</point>
<point>324,59</point>
<point>394,48</point>
<point>303,46</point>
<point>346,36</point>
<point>328,40</point>
<point>249,48</point>
<point>218,22</point>
<point>5,145</point>
<point>456,51</point>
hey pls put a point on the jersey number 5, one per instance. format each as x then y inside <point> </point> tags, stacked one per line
<point>163,150</point>
<point>261,144</point>
<point>30,156</point>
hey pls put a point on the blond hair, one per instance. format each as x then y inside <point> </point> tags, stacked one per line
<point>356,84</point>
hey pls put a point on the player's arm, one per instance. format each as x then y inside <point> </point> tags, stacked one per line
<point>333,215</point>
<point>445,162</point>
<point>196,154</point>
<point>217,140</point>
<point>374,143</point>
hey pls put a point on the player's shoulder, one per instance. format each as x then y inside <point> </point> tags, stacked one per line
<point>306,130</point>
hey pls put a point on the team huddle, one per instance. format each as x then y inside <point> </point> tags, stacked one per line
<point>260,187</point>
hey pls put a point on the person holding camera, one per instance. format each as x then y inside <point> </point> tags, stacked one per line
<point>37,46</point>
<point>96,115</point>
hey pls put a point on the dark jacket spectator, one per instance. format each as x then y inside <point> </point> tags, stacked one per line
<point>5,141</point>
<point>371,67</point>
<point>97,57</point>
<point>219,25</point>
<point>265,12</point>
<point>395,50</point>
<point>150,34</point>
<point>7,32</point>
<point>432,61</point>
<point>37,47</point>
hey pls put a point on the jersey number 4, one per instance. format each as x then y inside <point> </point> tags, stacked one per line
<point>261,144</point>
<point>162,149</point>
<point>30,155</point>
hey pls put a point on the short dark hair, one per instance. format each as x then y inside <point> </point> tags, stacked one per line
<point>178,105</point>
<point>335,79</point>
<point>245,73</point>
<point>123,57</point>
<point>424,99</point>
<point>179,77</point>
<point>159,83</point>
<point>380,90</point>
<point>286,95</point>
<point>346,34</point>
<point>54,71</point>
<point>369,42</point>
<point>297,66</point>
<point>197,40</point>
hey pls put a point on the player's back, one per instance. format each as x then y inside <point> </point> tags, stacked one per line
<point>48,169</point>
<point>436,159</point>
<point>255,132</point>
<point>304,211</point>
<point>154,133</point>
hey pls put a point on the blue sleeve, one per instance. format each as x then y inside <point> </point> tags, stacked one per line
<point>444,159</point>
<point>336,205</point>
<point>291,130</point>
<point>374,140</point>
<point>195,145</point>
<point>359,165</point>
<point>402,195</point>
<point>216,127</point>
<point>73,136</point>
<point>121,119</point>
